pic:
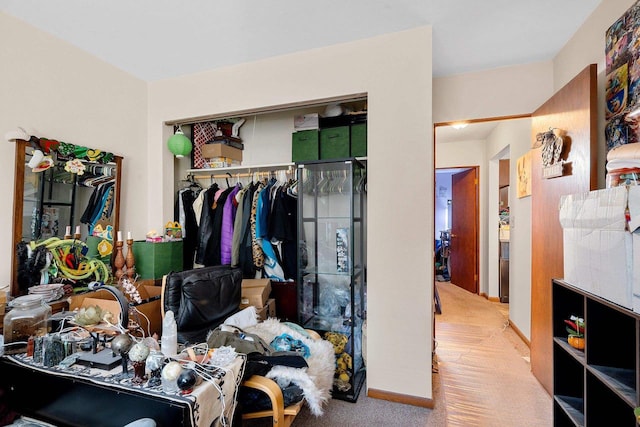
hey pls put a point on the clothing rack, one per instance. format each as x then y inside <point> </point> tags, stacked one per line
<point>240,175</point>
<point>254,172</point>
<point>243,169</point>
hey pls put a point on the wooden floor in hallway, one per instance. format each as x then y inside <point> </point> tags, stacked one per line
<point>484,369</point>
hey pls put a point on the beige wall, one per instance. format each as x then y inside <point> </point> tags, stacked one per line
<point>63,93</point>
<point>520,90</point>
<point>493,93</point>
<point>395,71</point>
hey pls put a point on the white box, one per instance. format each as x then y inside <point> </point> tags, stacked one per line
<point>634,226</point>
<point>598,248</point>
<point>306,122</point>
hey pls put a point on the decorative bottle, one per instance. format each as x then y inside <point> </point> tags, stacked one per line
<point>169,341</point>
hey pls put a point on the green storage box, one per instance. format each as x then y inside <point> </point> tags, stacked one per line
<point>304,146</point>
<point>359,140</point>
<point>334,143</point>
<point>154,260</point>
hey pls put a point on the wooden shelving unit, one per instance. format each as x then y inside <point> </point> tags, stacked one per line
<point>597,386</point>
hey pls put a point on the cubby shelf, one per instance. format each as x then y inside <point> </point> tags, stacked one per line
<point>599,385</point>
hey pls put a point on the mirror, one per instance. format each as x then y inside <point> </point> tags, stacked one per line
<point>56,198</point>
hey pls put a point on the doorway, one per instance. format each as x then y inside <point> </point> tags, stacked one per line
<point>456,224</point>
<point>484,142</point>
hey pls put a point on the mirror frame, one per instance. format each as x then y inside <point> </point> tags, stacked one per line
<point>18,205</point>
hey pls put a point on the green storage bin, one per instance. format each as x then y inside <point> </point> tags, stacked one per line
<point>304,146</point>
<point>154,260</point>
<point>334,143</point>
<point>359,140</point>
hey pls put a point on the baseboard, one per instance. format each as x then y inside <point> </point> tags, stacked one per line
<point>401,398</point>
<point>487,297</point>
<point>519,333</point>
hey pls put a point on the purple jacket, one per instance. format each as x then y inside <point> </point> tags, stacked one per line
<point>228,218</point>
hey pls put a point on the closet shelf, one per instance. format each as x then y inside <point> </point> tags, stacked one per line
<point>252,168</point>
<point>355,271</point>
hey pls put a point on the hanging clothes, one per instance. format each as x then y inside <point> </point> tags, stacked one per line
<point>185,214</point>
<point>205,228</point>
<point>100,205</point>
<point>282,228</point>
<point>258,255</point>
<point>237,227</point>
<point>216,236</point>
<point>272,267</point>
<point>245,251</point>
<point>228,219</point>
<point>252,227</point>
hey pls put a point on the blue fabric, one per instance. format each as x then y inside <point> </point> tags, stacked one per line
<point>285,342</point>
<point>272,269</point>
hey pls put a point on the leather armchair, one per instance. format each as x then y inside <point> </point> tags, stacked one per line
<point>201,299</point>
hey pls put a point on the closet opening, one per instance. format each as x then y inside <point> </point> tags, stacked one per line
<point>297,173</point>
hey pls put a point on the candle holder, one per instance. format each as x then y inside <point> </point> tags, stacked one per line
<point>130,260</point>
<point>119,261</point>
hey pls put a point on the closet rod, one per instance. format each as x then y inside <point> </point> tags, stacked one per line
<point>240,175</point>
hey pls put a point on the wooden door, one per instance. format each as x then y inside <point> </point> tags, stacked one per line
<point>572,110</point>
<point>464,230</point>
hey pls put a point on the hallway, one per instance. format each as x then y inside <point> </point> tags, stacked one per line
<point>484,368</point>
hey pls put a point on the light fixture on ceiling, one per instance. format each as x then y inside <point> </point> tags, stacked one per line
<point>459,125</point>
<point>179,144</point>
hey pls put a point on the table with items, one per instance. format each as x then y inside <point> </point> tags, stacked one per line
<point>70,393</point>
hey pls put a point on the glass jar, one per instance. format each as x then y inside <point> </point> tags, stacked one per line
<point>29,316</point>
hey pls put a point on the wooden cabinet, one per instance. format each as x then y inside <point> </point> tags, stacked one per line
<point>597,386</point>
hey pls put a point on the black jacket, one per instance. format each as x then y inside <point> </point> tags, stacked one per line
<point>205,229</point>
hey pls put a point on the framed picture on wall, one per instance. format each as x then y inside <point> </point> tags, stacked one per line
<point>524,175</point>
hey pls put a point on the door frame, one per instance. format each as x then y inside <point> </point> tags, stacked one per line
<point>476,204</point>
<point>437,125</point>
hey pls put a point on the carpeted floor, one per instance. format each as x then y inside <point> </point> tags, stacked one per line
<point>482,377</point>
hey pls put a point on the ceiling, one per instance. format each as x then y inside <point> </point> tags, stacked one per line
<point>159,39</point>
<point>473,132</point>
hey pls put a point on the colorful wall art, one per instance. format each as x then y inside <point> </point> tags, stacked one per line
<point>622,84</point>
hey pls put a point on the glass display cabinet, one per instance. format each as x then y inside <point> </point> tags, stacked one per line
<point>332,263</point>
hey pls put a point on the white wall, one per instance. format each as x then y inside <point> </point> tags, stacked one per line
<point>395,71</point>
<point>493,208</point>
<point>514,135</point>
<point>63,93</point>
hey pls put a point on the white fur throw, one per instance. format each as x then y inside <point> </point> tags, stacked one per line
<point>316,381</point>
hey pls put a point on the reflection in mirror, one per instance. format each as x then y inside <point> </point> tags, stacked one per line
<point>65,194</point>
